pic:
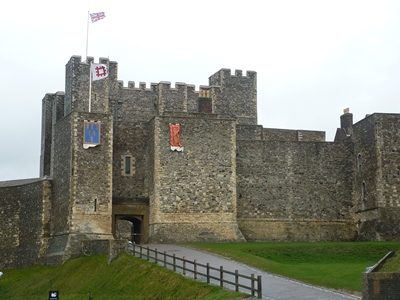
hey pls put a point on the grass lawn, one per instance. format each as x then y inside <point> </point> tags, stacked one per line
<point>125,278</point>
<point>336,265</point>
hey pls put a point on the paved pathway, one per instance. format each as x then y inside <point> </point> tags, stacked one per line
<point>273,287</point>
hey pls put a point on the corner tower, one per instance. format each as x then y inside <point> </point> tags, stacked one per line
<point>81,168</point>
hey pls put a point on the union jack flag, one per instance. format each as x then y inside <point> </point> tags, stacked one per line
<point>97,16</point>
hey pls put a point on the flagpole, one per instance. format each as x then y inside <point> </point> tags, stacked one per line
<point>87,35</point>
<point>90,65</point>
<point>90,85</point>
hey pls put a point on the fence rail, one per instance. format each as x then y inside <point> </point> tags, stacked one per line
<point>200,271</point>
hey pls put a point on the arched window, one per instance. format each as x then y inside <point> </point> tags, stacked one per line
<point>359,162</point>
<point>364,196</point>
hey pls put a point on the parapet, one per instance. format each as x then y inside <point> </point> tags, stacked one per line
<point>238,98</point>
<point>288,135</point>
<point>229,95</point>
<point>219,77</point>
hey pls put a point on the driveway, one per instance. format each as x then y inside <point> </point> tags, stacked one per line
<point>273,287</point>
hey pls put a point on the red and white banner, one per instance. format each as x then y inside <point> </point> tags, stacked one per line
<point>175,137</point>
<point>99,71</point>
<point>97,16</point>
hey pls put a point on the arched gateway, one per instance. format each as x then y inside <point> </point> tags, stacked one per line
<point>131,222</point>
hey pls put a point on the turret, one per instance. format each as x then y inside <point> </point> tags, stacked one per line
<point>238,96</point>
<point>77,87</point>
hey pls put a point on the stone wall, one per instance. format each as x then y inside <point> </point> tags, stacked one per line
<point>379,285</point>
<point>91,191</point>
<point>388,142</point>
<point>24,221</point>
<point>249,132</point>
<point>62,174</point>
<point>45,153</point>
<point>238,97</point>
<point>366,160</point>
<point>82,189</point>
<point>130,140</point>
<point>77,82</point>
<point>195,190</point>
<point>133,104</point>
<point>377,180</point>
<point>273,134</point>
<point>290,191</point>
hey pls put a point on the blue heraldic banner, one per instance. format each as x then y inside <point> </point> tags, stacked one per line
<point>91,135</point>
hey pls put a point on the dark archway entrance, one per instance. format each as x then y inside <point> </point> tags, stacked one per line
<point>130,227</point>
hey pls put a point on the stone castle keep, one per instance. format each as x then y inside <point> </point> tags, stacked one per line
<point>108,171</point>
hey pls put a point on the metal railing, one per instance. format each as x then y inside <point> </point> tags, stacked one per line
<point>210,274</point>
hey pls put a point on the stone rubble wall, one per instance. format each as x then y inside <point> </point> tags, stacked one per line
<point>197,185</point>
<point>289,190</point>
<point>24,222</point>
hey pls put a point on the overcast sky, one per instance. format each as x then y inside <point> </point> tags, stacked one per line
<point>312,58</point>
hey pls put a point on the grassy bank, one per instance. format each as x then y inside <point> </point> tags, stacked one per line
<point>333,265</point>
<point>125,278</point>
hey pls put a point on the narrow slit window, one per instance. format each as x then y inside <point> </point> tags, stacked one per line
<point>364,195</point>
<point>127,165</point>
<point>95,204</point>
<point>359,162</point>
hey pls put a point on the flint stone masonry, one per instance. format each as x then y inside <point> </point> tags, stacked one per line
<point>377,147</point>
<point>378,285</point>
<point>196,185</point>
<point>270,134</point>
<point>285,183</point>
<point>381,286</point>
<point>234,180</point>
<point>130,139</point>
<point>24,221</point>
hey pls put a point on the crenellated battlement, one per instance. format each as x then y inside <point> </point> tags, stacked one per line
<point>238,95</point>
<point>226,74</point>
<point>229,95</point>
<point>165,84</point>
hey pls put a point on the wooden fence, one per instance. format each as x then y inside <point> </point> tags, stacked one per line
<point>200,271</point>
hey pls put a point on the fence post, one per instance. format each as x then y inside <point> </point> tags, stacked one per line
<point>208,272</point>
<point>221,276</point>
<point>252,285</point>
<point>253,280</point>
<point>259,288</point>
<point>184,266</point>
<point>236,280</point>
<point>195,269</point>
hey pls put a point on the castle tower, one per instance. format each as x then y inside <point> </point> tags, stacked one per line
<point>52,111</point>
<point>81,165</point>
<point>192,193</point>
<point>377,179</point>
<point>238,96</point>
